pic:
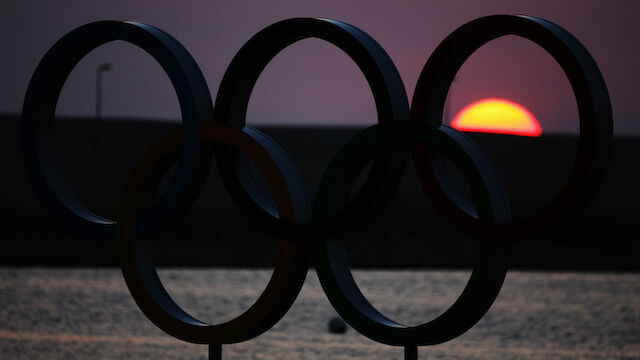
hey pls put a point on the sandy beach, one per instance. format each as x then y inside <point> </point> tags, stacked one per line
<point>89,314</point>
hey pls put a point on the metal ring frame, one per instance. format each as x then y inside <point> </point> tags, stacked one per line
<point>386,144</point>
<point>594,108</point>
<point>40,104</point>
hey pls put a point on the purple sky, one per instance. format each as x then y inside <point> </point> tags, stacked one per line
<point>312,82</point>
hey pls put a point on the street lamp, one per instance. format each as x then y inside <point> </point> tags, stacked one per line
<point>97,159</point>
<point>104,67</point>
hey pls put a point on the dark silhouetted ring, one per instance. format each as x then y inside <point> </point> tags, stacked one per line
<point>39,109</point>
<point>139,270</point>
<point>389,158</point>
<point>594,107</point>
<point>491,263</point>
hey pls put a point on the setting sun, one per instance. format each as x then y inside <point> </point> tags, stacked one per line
<point>497,116</point>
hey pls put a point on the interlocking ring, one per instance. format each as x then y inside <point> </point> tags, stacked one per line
<point>490,266</point>
<point>386,144</point>
<point>40,104</point>
<point>389,159</point>
<point>137,262</point>
<point>594,108</point>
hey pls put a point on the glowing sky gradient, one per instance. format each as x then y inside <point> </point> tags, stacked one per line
<point>498,116</point>
<point>312,82</point>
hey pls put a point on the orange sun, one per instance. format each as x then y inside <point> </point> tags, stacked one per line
<point>498,116</point>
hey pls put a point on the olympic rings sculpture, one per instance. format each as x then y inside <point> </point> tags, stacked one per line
<point>305,227</point>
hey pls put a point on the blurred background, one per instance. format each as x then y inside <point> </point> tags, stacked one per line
<point>311,99</point>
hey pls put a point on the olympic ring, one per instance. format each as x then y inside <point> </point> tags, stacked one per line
<point>39,109</point>
<point>594,108</point>
<point>137,263</point>
<point>391,101</point>
<point>489,270</point>
<point>387,144</point>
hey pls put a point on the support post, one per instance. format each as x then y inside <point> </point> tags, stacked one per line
<point>411,352</point>
<point>215,352</point>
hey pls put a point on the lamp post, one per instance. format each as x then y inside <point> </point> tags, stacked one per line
<point>97,160</point>
<point>104,67</point>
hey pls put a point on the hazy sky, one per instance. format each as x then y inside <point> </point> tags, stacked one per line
<point>312,82</point>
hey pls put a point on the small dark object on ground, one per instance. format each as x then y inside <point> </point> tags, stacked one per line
<point>337,325</point>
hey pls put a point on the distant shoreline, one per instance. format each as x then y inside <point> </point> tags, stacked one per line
<point>411,235</point>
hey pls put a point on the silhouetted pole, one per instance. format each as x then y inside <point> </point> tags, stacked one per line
<point>99,70</point>
<point>410,352</point>
<point>215,352</point>
<point>104,67</point>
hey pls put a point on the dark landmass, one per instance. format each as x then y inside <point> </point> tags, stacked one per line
<point>96,156</point>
